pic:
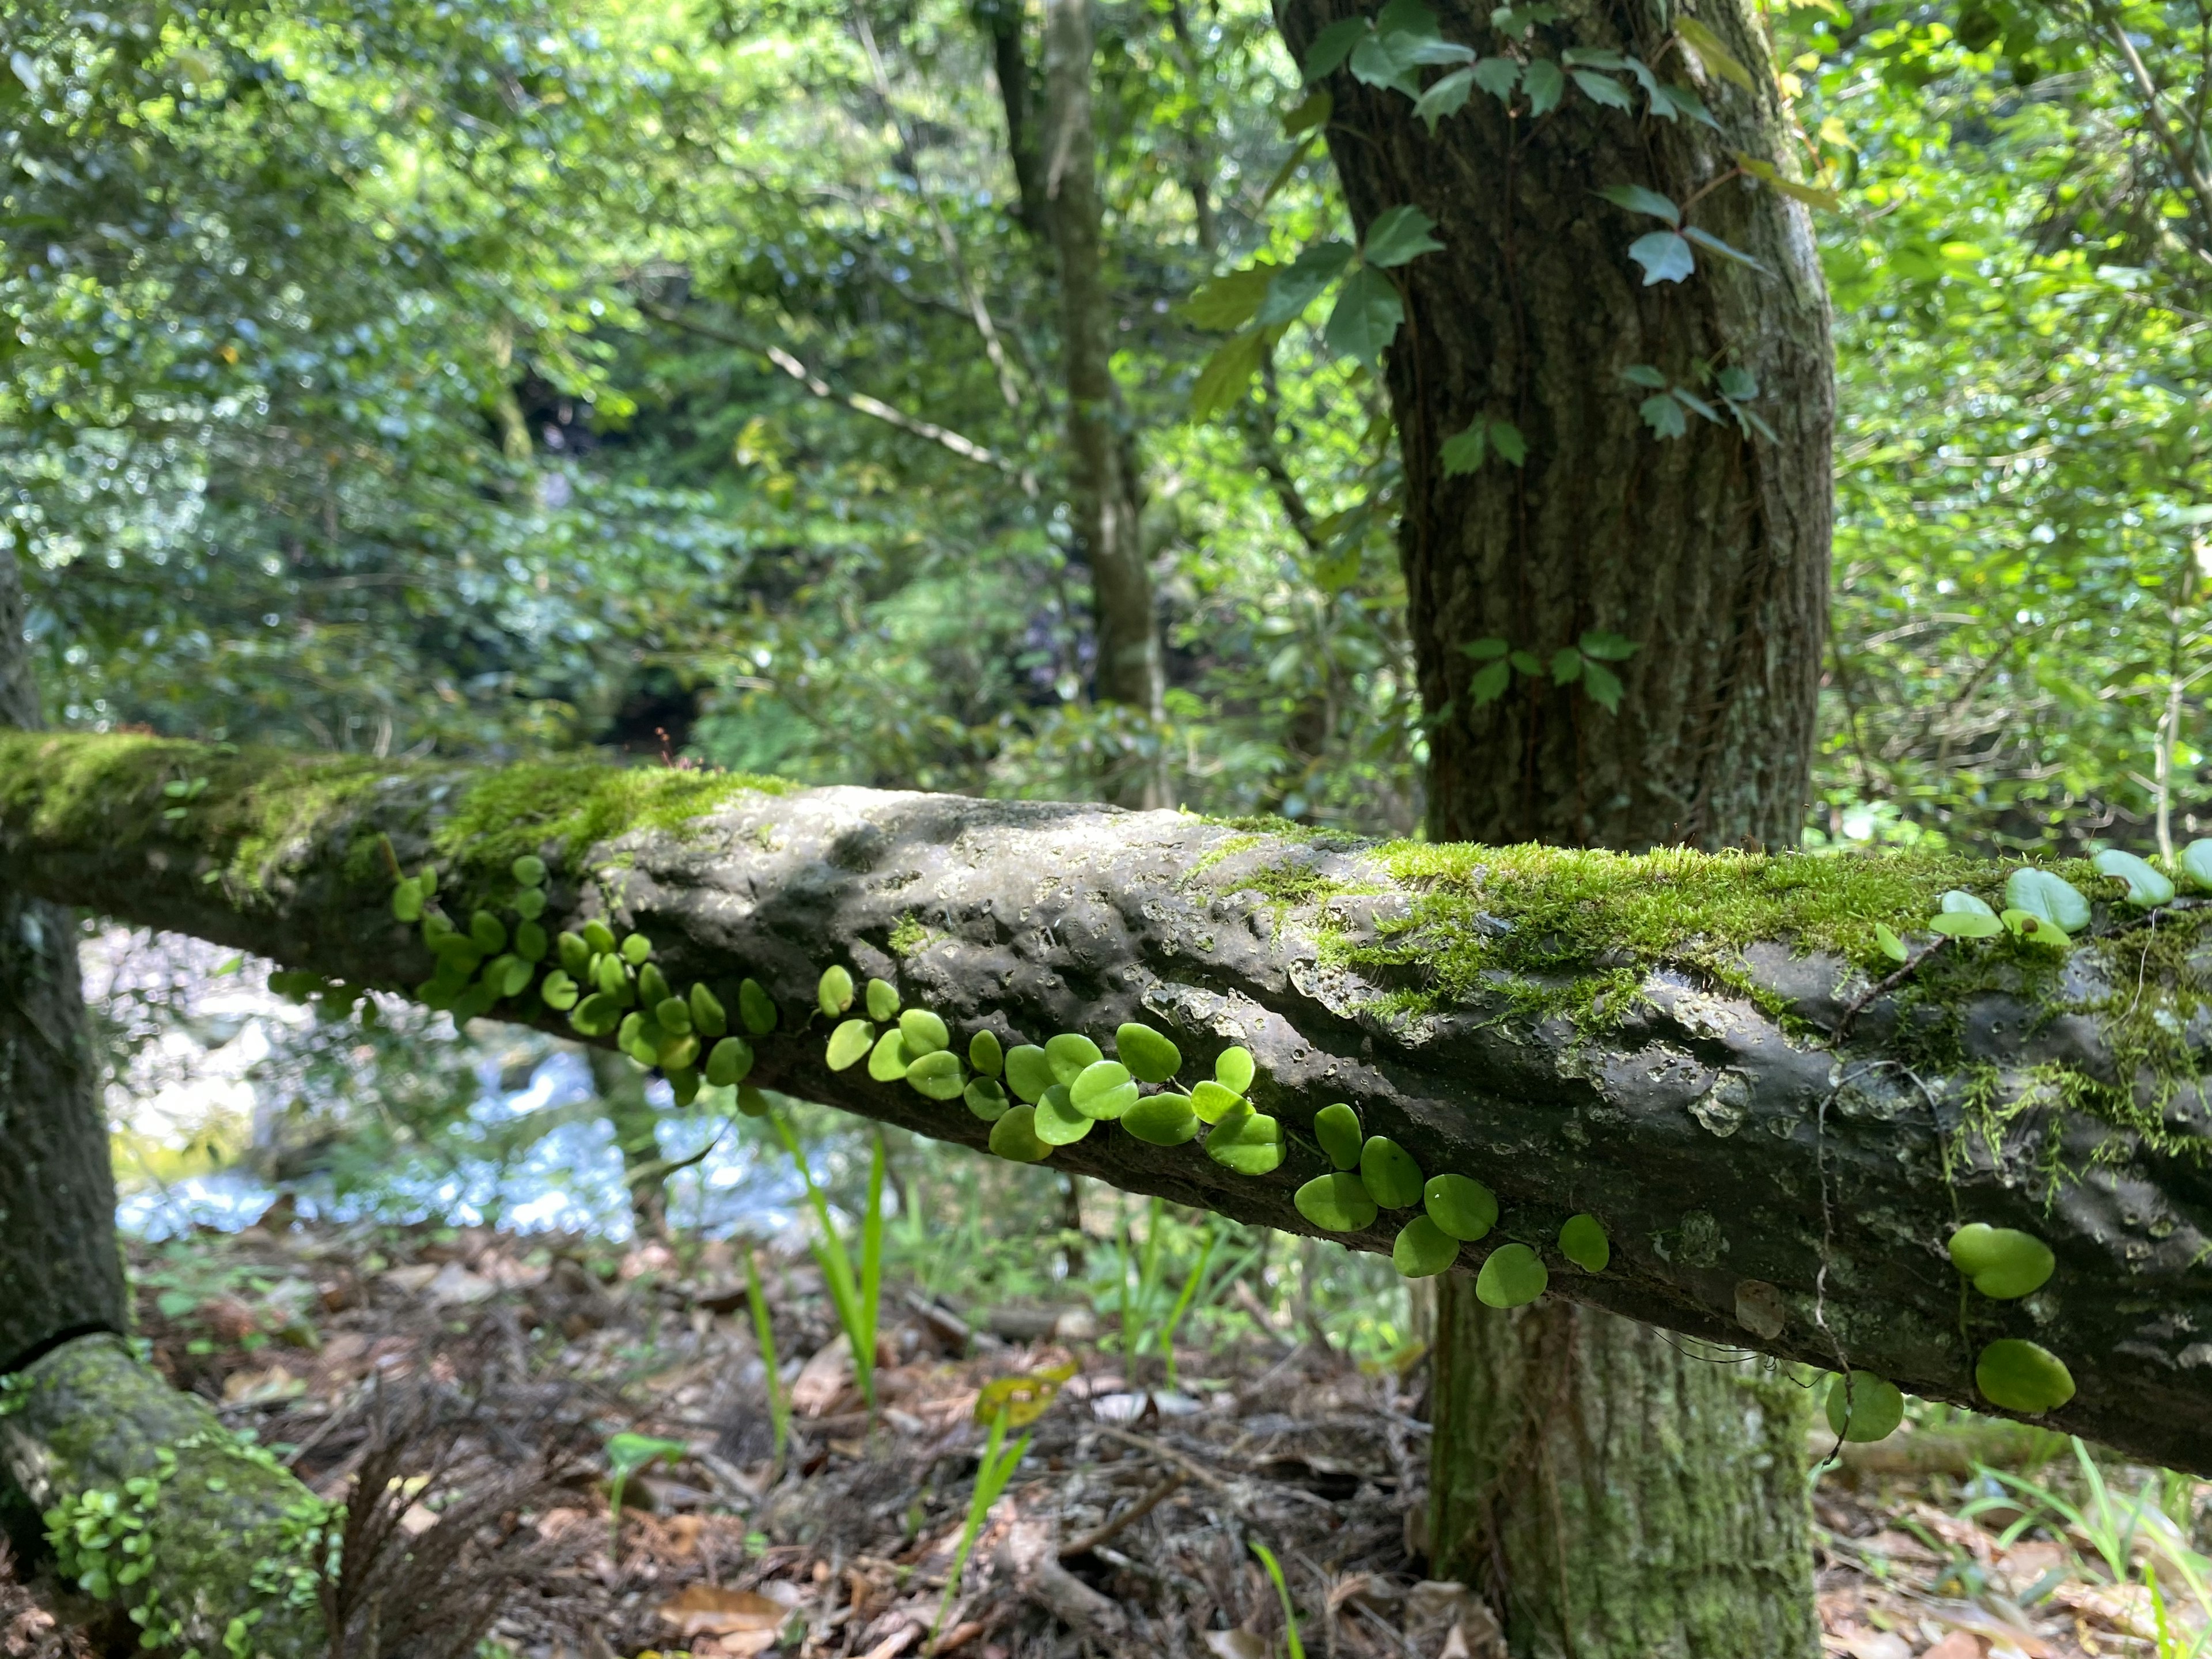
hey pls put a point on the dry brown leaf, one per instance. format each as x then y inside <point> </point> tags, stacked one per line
<point>1235,1644</point>
<point>1959,1644</point>
<point>822,1379</point>
<point>707,1610</point>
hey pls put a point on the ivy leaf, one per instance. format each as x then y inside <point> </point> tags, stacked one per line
<point>1526,662</point>
<point>1690,103</point>
<point>1665,257</point>
<point>1464,453</point>
<point>1299,284</point>
<point>1489,683</point>
<point>1603,89</point>
<point>1541,80</point>
<point>1388,60</point>
<point>1690,399</point>
<point>1603,684</point>
<point>1489,649</point>
<point>1398,234</point>
<point>1737,383</point>
<point>1711,52</point>
<point>1608,647</point>
<point>1334,44</point>
<point>1313,109</point>
<point>1446,98</point>
<point>1645,374</point>
<point>1506,438</point>
<point>1512,20</point>
<point>1663,415</point>
<point>1407,17</point>
<point>1229,301</point>
<point>1637,199</point>
<point>1367,315</point>
<point>1592,57</point>
<point>1567,664</point>
<point>1430,50</point>
<point>1222,382</point>
<point>1705,239</point>
<point>1497,76</point>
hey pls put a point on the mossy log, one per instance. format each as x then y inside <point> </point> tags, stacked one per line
<point>1652,1039</point>
<point>210,1544</point>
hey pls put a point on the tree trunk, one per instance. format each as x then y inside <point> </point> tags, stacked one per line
<point>225,1534</point>
<point>1710,551</point>
<point>1649,1040</point>
<point>1612,1494</point>
<point>1618,1491</point>
<point>1105,474</point>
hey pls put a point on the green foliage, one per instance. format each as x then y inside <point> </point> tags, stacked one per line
<point>630,1455</point>
<point>993,1469</point>
<point>857,1297</point>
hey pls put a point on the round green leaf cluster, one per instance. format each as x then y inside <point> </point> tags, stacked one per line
<point>2003,1263</point>
<point>1862,1407</point>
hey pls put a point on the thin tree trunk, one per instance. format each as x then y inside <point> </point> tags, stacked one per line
<point>81,1417</point>
<point>1612,1494</point>
<point>1106,479</point>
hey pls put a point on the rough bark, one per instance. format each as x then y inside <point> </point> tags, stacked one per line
<point>1710,551</point>
<point>1631,1037</point>
<point>226,1532</point>
<point>1105,475</point>
<point>1645,1488</point>
<point>1000,22</point>
<point>59,1273</point>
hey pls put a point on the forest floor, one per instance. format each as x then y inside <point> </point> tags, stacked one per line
<point>1126,1528</point>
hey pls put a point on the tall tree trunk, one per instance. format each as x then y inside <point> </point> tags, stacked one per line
<point>82,1416</point>
<point>1614,1493</point>
<point>1106,476</point>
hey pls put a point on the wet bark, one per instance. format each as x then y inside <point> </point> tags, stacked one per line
<point>1730,1150</point>
<point>1106,481</point>
<point>1710,551</point>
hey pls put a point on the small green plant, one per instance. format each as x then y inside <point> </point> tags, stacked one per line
<point>630,1455</point>
<point>993,1471</point>
<point>1283,1591</point>
<point>856,1298</point>
<point>779,1409</point>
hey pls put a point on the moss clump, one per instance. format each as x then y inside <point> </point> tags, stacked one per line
<point>575,804</point>
<point>909,938</point>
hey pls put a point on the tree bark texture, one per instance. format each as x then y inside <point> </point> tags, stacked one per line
<point>60,1275</point>
<point>1000,22</point>
<point>1618,1491</point>
<point>1709,551</point>
<point>1105,475</point>
<point>1631,1037</point>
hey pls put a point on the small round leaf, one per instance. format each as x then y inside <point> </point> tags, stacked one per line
<point>1423,1249</point>
<point>755,1007</point>
<point>833,993</point>
<point>938,1074</point>
<point>1014,1136</point>
<point>883,1000</point>
<point>849,1043</point>
<point>635,948</point>
<point>1234,1070</point>
<point>599,937</point>
<point>1212,1102</point>
<point>1337,1129</point>
<point>530,941</point>
<point>674,1014</point>
<point>1461,1207</point>
<point>2195,864</point>
<point>2004,1263</point>
<point>1058,1122</point>
<point>653,987</point>
<point>1150,1056</point>
<point>1889,944</point>
<point>1392,1177</point>
<point>1583,1242</point>
<point>1163,1119</point>
<point>729,1061</point>
<point>1068,1053</point>
<point>528,871</point>
<point>2022,1377</point>
<point>530,903</point>
<point>1514,1275</point>
<point>407,901</point>
<point>888,1059</point>
<point>985,1099</point>
<point>559,991</point>
<point>1249,1142</point>
<point>2053,897</point>
<point>984,1054</point>
<point>575,955</point>
<point>1103,1090</point>
<point>1029,1073</point>
<point>1862,1406</point>
<point>2147,887</point>
<point>708,1016</point>
<point>488,932</point>
<point>1335,1203</point>
<point>752,1101</point>
<point>924,1032</point>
